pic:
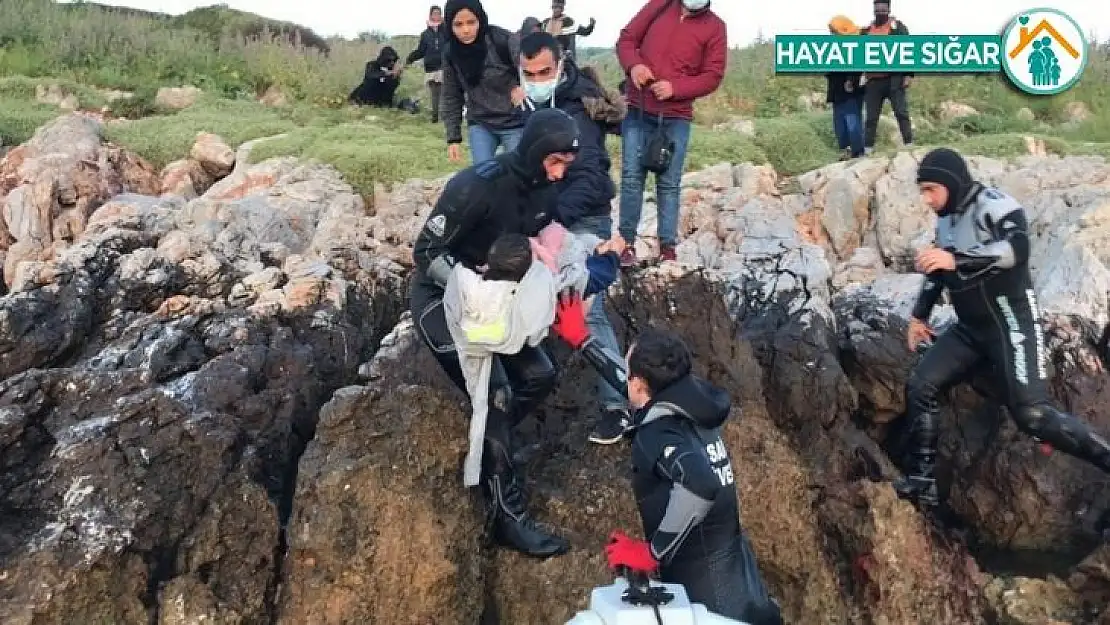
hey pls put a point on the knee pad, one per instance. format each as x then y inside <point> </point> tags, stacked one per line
<point>921,394</point>
<point>1035,420</point>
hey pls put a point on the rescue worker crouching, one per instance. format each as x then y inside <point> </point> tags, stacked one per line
<point>512,193</point>
<point>982,258</point>
<point>681,471</point>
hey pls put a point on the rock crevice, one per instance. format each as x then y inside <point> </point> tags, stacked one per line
<point>212,408</point>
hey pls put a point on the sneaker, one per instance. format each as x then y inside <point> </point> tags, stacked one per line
<point>611,427</point>
<point>628,257</point>
<point>667,253</point>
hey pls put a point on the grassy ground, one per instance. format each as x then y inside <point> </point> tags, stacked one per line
<point>84,50</point>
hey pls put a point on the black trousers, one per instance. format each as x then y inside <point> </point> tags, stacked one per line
<point>1008,341</point>
<point>875,92</point>
<point>435,90</point>
<point>519,381</point>
<point>727,582</point>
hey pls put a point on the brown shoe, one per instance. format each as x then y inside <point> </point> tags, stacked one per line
<point>667,253</point>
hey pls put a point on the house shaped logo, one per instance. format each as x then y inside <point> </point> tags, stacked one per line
<point>1045,51</point>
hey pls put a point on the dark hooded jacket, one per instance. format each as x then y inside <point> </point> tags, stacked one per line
<point>508,194</point>
<point>677,453</point>
<point>587,188</point>
<point>378,86</point>
<point>686,492</point>
<point>430,49</point>
<point>480,75</point>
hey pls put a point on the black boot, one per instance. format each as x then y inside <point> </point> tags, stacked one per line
<point>512,525</point>
<point>919,485</point>
<point>919,482</point>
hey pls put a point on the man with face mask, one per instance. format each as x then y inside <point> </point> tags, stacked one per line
<point>511,194</point>
<point>681,471</point>
<point>881,87</point>
<point>551,80</point>
<point>673,53</point>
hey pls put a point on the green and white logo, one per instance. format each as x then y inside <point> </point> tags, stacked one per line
<point>1045,51</point>
<point>1042,51</point>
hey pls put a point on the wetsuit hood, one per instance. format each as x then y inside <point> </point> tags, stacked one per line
<point>693,398</point>
<point>548,131</point>
<point>946,167</point>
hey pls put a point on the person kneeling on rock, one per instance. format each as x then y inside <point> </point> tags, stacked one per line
<point>681,471</point>
<point>982,257</point>
<point>511,193</point>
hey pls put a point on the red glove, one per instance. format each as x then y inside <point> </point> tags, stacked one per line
<point>631,553</point>
<point>570,319</point>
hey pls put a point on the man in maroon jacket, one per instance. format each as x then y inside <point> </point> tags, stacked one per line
<point>674,51</point>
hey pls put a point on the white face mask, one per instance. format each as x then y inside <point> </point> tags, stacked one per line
<point>695,5</point>
<point>543,91</point>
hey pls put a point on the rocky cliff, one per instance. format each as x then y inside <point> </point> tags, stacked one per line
<point>213,409</point>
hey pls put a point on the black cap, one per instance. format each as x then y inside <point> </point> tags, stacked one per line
<point>946,167</point>
<point>548,131</point>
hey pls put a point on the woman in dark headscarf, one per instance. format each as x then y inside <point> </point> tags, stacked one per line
<point>380,81</point>
<point>480,71</point>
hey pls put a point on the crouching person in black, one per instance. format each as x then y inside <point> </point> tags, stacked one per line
<point>681,470</point>
<point>380,81</point>
<point>982,257</point>
<point>510,194</point>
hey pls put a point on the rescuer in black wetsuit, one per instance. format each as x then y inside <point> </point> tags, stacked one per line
<point>681,471</point>
<point>981,257</point>
<point>512,193</point>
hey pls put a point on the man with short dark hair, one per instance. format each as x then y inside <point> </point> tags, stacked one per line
<point>682,475</point>
<point>585,193</point>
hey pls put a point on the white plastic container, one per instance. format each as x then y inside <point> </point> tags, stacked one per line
<point>607,607</point>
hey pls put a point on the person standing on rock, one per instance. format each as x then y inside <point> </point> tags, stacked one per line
<point>585,193</point>
<point>512,193</point>
<point>673,53</point>
<point>881,87</point>
<point>430,49</point>
<point>845,94</point>
<point>982,257</point>
<point>479,71</point>
<point>681,471</point>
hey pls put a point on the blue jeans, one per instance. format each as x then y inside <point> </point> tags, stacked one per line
<point>484,141</point>
<point>596,318</point>
<point>848,123</point>
<point>636,130</point>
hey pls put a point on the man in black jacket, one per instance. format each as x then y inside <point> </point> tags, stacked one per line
<point>982,257</point>
<point>681,471</point>
<point>512,193</point>
<point>585,193</point>
<point>430,49</point>
<point>880,87</point>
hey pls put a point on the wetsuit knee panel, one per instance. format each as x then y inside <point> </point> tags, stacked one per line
<point>921,390</point>
<point>1035,419</point>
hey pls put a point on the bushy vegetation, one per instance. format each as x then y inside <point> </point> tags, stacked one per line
<point>86,49</point>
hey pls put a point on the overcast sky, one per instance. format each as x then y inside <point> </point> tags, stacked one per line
<point>745,18</point>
